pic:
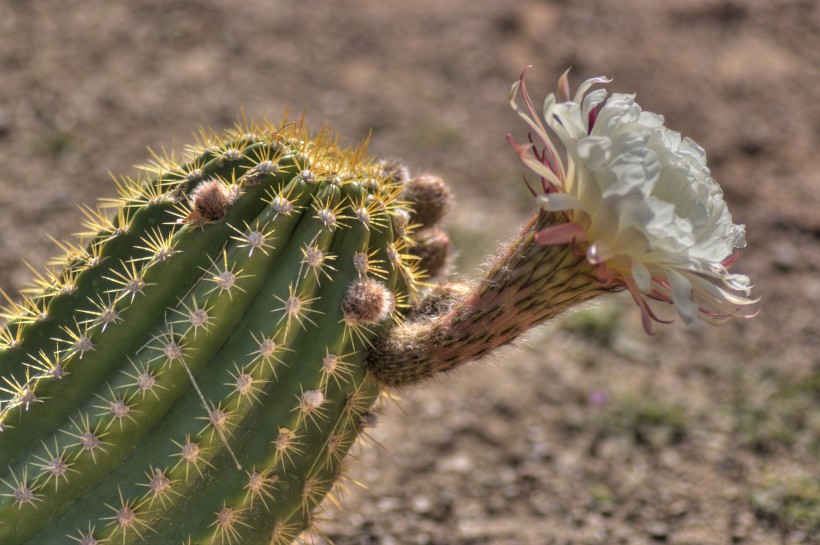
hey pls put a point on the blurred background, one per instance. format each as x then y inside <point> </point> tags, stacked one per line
<point>590,431</point>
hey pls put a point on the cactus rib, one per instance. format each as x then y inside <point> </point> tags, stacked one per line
<point>208,369</point>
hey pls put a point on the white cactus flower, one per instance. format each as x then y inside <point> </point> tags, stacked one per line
<point>639,201</point>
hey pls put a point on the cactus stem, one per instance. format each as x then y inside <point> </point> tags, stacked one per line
<point>525,286</point>
<point>231,349</point>
<point>217,417</point>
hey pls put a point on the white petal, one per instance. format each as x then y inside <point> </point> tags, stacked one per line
<point>540,168</point>
<point>594,151</point>
<point>591,101</point>
<point>682,295</point>
<point>568,123</point>
<point>558,202</point>
<point>589,83</point>
<point>635,170</point>
<point>641,276</point>
<point>630,242</point>
<point>644,193</point>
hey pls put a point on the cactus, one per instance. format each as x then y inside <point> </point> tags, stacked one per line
<point>197,367</point>
<point>199,358</point>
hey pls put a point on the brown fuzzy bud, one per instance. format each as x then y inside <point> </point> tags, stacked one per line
<point>432,246</point>
<point>430,199</point>
<point>210,202</point>
<point>367,301</point>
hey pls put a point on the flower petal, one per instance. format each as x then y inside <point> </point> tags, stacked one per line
<point>641,276</point>
<point>645,208</point>
<point>563,233</point>
<point>558,202</point>
<point>682,296</point>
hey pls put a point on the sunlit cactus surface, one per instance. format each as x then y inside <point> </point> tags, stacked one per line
<point>192,369</point>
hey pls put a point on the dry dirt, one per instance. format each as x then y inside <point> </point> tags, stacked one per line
<point>590,432</point>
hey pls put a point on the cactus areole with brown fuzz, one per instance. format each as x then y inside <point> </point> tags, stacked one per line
<point>195,369</point>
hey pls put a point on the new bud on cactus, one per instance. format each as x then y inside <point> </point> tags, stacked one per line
<point>210,201</point>
<point>430,197</point>
<point>196,369</point>
<point>367,302</point>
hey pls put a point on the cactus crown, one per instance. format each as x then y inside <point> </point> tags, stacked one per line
<point>198,355</point>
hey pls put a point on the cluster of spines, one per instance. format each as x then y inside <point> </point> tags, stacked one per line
<point>68,327</point>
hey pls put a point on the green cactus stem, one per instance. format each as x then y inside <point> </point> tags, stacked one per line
<point>197,367</point>
<point>193,370</point>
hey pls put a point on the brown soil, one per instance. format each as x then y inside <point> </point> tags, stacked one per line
<point>591,432</point>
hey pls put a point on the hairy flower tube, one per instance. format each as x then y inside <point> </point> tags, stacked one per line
<point>638,201</point>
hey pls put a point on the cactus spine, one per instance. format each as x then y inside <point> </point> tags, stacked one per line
<point>193,372</point>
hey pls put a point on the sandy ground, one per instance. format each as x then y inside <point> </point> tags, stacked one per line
<point>590,432</point>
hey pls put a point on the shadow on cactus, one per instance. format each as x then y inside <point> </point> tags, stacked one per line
<point>196,367</point>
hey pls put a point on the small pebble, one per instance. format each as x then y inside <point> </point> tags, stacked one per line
<point>658,531</point>
<point>422,504</point>
<point>785,256</point>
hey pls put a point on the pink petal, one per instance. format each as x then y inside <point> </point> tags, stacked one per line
<point>564,233</point>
